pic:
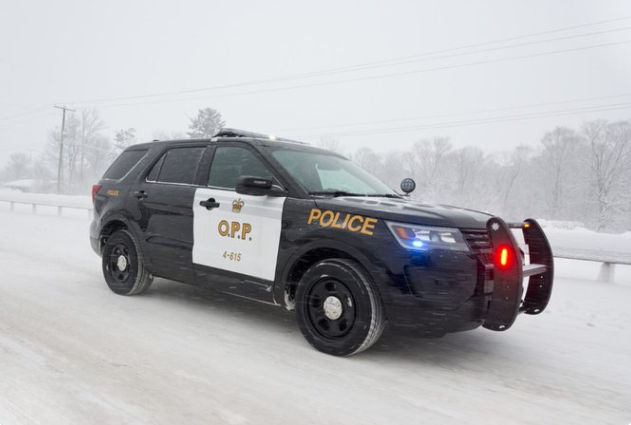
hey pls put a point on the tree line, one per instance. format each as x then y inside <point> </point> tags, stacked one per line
<point>580,174</point>
<point>88,151</point>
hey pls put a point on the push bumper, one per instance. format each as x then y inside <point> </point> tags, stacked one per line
<point>509,271</point>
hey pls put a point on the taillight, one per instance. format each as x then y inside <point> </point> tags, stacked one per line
<point>503,257</point>
<point>95,190</point>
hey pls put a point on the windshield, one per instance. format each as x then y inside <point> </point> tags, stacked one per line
<point>323,174</point>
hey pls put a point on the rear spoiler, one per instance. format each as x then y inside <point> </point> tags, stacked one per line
<point>509,272</point>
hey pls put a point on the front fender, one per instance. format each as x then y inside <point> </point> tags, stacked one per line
<point>361,248</point>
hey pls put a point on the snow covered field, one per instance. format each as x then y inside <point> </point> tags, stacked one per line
<point>72,352</point>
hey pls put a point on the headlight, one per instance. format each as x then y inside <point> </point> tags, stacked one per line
<point>423,238</point>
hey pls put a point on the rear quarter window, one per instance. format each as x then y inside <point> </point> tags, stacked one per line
<point>123,164</point>
<point>180,165</point>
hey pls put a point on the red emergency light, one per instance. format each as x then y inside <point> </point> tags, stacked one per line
<point>503,257</point>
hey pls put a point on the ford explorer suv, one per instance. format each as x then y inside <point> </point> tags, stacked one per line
<point>284,223</point>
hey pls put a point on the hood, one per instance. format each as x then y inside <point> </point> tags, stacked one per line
<point>407,211</point>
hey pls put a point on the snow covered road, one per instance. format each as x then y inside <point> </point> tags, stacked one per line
<point>72,352</point>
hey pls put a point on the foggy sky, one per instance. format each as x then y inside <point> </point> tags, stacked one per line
<point>70,51</point>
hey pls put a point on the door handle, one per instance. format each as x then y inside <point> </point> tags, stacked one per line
<point>140,194</point>
<point>209,204</point>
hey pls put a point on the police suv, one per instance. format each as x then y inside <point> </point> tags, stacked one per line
<point>284,223</point>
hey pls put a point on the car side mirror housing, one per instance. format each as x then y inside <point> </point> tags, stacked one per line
<point>258,186</point>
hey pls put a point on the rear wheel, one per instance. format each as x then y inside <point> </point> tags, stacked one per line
<point>338,310</point>
<point>123,268</point>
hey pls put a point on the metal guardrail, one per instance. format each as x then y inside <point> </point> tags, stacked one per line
<point>608,259</point>
<point>59,205</point>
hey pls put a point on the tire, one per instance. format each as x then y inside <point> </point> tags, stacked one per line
<point>338,310</point>
<point>123,266</point>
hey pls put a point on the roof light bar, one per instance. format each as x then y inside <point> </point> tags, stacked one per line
<point>234,132</point>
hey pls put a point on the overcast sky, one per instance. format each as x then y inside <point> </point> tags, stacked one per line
<point>55,52</point>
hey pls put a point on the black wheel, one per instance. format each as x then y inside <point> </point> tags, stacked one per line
<point>338,310</point>
<point>123,267</point>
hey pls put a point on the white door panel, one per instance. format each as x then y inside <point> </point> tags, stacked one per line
<point>242,235</point>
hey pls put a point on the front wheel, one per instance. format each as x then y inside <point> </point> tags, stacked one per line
<point>123,267</point>
<point>339,312</point>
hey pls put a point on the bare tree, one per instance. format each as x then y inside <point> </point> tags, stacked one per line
<point>91,127</point>
<point>72,148</point>
<point>392,171</point>
<point>559,150</point>
<point>330,144</point>
<point>99,155</point>
<point>512,166</point>
<point>18,167</point>
<point>86,150</point>
<point>368,160</point>
<point>428,160</point>
<point>469,161</point>
<point>608,158</point>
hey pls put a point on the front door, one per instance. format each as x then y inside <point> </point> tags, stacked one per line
<point>236,237</point>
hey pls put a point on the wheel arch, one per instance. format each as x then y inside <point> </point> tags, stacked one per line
<point>111,226</point>
<point>308,255</point>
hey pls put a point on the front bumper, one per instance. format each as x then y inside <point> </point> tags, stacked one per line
<point>452,292</point>
<point>506,302</point>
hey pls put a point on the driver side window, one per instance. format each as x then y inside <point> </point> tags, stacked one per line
<point>230,162</point>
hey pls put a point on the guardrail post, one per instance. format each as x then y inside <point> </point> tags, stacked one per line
<point>606,272</point>
<point>34,208</point>
<point>59,208</point>
<point>12,205</point>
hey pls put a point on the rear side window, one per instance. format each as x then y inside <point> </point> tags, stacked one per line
<point>123,164</point>
<point>180,165</point>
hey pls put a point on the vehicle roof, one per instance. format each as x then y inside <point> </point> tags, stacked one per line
<point>233,135</point>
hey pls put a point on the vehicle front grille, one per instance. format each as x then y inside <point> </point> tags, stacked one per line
<point>479,243</point>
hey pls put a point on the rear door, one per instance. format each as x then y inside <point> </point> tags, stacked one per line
<point>162,202</point>
<point>237,237</point>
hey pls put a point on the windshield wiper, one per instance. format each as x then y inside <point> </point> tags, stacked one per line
<point>334,193</point>
<point>385,195</point>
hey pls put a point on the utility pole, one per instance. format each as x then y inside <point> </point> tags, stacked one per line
<point>61,146</point>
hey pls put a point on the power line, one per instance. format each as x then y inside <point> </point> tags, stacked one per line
<point>13,105</point>
<point>32,111</point>
<point>372,77</point>
<point>37,116</point>
<point>455,114</point>
<point>380,63</point>
<point>490,120</point>
<point>490,49</point>
<point>624,18</point>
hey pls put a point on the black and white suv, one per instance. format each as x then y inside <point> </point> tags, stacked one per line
<point>284,223</point>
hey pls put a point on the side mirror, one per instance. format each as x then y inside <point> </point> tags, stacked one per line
<point>258,186</point>
<point>408,185</point>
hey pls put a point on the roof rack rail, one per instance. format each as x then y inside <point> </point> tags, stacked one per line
<point>234,132</point>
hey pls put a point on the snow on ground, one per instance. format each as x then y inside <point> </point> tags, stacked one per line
<point>72,352</point>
